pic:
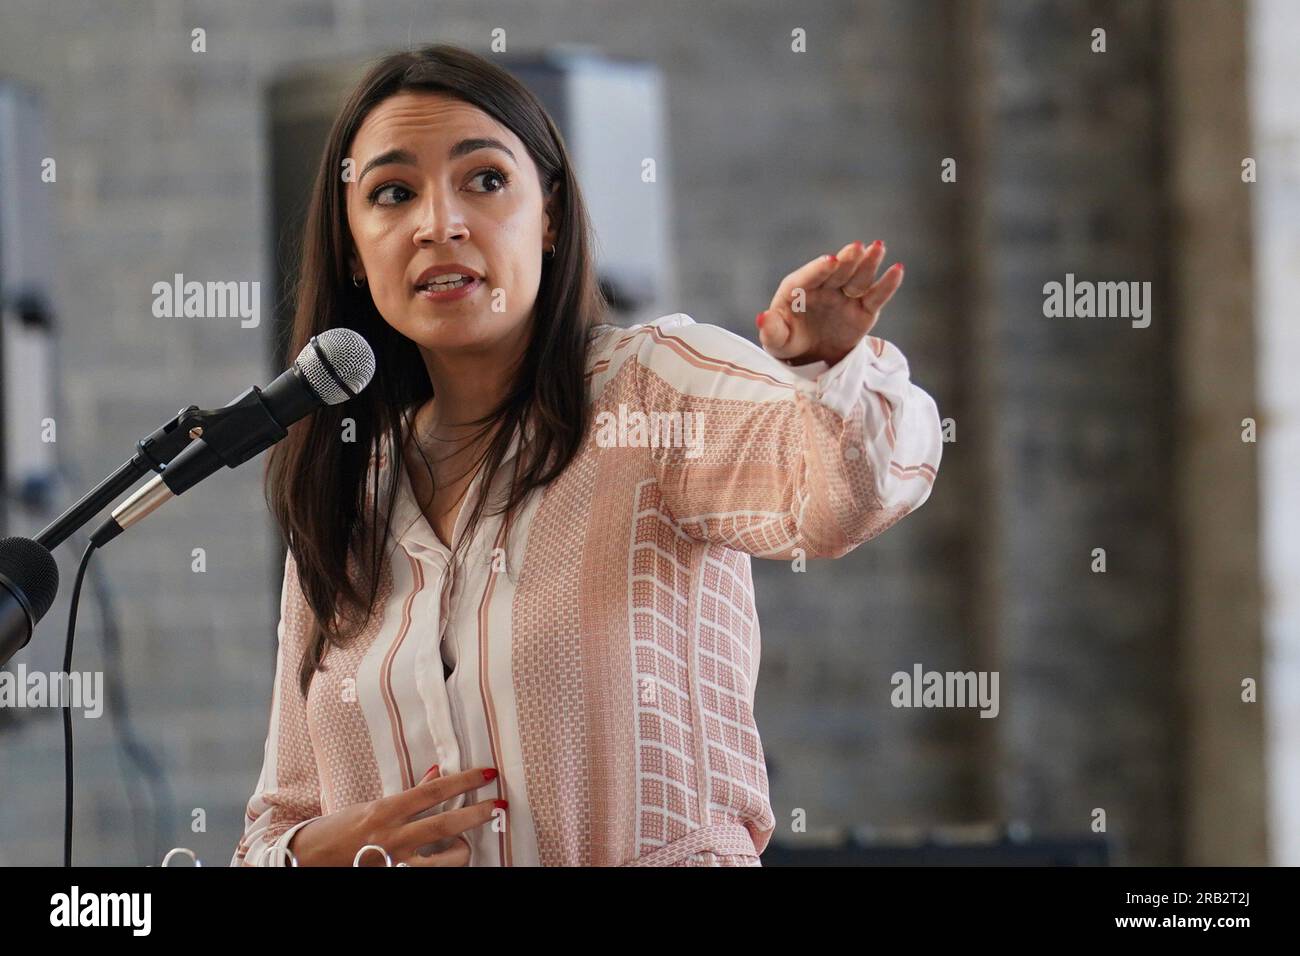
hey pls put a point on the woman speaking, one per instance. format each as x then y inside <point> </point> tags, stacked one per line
<point>545,652</point>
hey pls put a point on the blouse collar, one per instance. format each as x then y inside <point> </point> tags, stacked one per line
<point>410,527</point>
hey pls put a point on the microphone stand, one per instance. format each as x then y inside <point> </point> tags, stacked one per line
<point>153,454</point>
<point>233,434</point>
<point>236,433</point>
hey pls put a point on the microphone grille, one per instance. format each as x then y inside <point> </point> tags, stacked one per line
<point>347,359</point>
<point>32,569</point>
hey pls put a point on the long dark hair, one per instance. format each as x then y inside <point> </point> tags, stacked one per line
<point>316,483</point>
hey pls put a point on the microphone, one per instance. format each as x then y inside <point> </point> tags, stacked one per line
<point>332,367</point>
<point>29,581</point>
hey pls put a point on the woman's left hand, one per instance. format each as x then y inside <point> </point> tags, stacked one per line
<point>824,308</point>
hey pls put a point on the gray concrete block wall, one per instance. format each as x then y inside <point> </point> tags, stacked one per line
<point>1090,716</point>
<point>777,158</point>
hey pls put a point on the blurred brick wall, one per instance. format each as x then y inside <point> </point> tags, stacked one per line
<point>1082,444</point>
<point>778,157</point>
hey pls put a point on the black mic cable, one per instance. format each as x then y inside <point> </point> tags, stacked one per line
<point>67,708</point>
<point>333,367</point>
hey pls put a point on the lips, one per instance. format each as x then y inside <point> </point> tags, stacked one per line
<point>445,269</point>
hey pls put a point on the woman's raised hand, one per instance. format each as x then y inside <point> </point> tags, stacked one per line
<point>823,308</point>
<point>394,823</point>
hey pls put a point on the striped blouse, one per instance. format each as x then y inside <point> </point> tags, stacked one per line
<point>603,654</point>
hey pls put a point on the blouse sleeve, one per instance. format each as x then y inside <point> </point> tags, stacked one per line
<point>780,458</point>
<point>287,795</point>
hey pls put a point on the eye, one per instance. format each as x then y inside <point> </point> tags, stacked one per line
<point>382,190</point>
<point>495,174</point>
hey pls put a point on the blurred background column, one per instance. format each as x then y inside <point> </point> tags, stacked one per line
<point>1211,303</point>
<point>1274,72</point>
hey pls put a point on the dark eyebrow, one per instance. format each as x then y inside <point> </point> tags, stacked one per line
<point>470,145</point>
<point>383,159</point>
<point>463,148</point>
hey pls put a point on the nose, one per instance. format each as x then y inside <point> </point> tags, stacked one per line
<point>440,219</point>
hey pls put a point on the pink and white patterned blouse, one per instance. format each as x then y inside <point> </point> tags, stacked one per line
<point>604,654</point>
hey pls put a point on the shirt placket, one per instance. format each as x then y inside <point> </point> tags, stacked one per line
<point>451,682</point>
<point>430,676</point>
<point>460,732</point>
<point>449,723</point>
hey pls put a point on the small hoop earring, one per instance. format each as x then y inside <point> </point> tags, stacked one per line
<point>550,253</point>
<point>358,281</point>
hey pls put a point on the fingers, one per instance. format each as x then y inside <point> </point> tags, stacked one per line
<point>434,789</point>
<point>783,335</point>
<point>883,290</point>
<point>809,276</point>
<point>851,273</point>
<point>773,332</point>
<point>776,333</point>
<point>858,269</point>
<point>456,855</point>
<point>449,823</point>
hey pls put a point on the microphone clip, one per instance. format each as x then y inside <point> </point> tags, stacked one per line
<point>235,432</point>
<point>159,448</point>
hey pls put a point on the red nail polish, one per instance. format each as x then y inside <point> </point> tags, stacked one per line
<point>900,267</point>
<point>489,774</point>
<point>876,244</point>
<point>758,319</point>
<point>431,770</point>
<point>500,804</point>
<point>858,243</point>
<point>833,258</point>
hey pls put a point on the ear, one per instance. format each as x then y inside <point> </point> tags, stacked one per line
<point>354,263</point>
<point>552,210</point>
